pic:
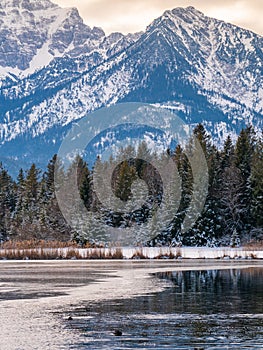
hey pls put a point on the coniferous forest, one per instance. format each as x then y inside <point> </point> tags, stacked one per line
<point>232,214</point>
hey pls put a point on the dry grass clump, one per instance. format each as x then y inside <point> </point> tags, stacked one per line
<point>36,243</point>
<point>96,254</point>
<point>60,253</point>
<point>139,254</point>
<point>73,254</point>
<point>116,254</point>
<point>170,255</point>
<point>253,245</point>
<point>165,256</point>
<point>252,256</point>
<point>102,253</point>
<point>39,254</point>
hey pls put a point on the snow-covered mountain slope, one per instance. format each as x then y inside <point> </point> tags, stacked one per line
<point>225,59</point>
<point>207,70</point>
<point>34,32</point>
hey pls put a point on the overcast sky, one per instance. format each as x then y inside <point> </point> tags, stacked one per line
<point>134,15</point>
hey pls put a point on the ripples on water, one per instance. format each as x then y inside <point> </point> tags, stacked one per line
<point>213,309</point>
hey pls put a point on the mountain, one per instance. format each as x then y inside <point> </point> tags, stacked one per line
<point>55,70</point>
<point>34,33</point>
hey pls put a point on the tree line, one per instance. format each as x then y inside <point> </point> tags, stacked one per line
<point>232,212</point>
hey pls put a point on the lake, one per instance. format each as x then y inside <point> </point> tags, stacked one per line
<point>148,304</point>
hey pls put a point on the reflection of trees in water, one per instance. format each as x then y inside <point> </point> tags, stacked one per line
<point>233,291</point>
<point>216,290</point>
<point>202,308</point>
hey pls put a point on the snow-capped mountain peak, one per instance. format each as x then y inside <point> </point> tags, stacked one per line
<point>34,32</point>
<point>27,4</point>
<point>57,69</point>
<point>222,57</point>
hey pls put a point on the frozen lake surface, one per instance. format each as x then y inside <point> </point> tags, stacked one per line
<point>154,304</point>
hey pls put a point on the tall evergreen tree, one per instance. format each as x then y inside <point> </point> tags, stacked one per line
<point>204,230</point>
<point>125,178</point>
<point>85,183</point>
<point>7,202</point>
<point>32,184</point>
<point>257,186</point>
<point>31,207</point>
<point>227,155</point>
<point>244,151</point>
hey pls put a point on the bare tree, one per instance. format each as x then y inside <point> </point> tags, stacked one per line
<point>231,198</point>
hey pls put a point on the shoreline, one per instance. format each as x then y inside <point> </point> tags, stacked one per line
<point>44,319</point>
<point>131,253</point>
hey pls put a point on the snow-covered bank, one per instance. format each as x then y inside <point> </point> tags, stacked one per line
<point>194,253</point>
<point>132,253</point>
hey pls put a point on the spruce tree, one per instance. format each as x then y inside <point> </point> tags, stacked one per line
<point>126,176</point>
<point>227,155</point>
<point>7,203</point>
<point>31,205</point>
<point>257,186</point>
<point>244,151</point>
<point>19,214</point>
<point>204,230</point>
<point>85,183</point>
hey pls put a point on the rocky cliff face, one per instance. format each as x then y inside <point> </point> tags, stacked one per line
<point>33,33</point>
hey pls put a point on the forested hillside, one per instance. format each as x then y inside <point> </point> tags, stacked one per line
<point>233,210</point>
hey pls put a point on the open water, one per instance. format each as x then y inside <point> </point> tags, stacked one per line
<point>131,305</point>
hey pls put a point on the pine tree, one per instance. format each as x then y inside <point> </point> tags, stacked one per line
<point>32,184</point>
<point>235,240</point>
<point>185,173</point>
<point>244,151</point>
<point>7,203</point>
<point>48,180</point>
<point>204,139</point>
<point>204,230</point>
<point>85,183</point>
<point>125,178</point>
<point>257,186</point>
<point>31,208</point>
<point>143,156</point>
<point>51,220</point>
<point>227,155</point>
<point>19,214</point>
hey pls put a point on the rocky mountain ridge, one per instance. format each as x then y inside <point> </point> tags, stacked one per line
<point>55,70</point>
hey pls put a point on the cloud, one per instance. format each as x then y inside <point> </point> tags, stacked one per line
<point>131,16</point>
<point>247,14</point>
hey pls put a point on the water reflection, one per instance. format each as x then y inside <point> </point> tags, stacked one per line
<point>220,291</point>
<point>211,309</point>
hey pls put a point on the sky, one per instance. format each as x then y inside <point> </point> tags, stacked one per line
<point>130,16</point>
